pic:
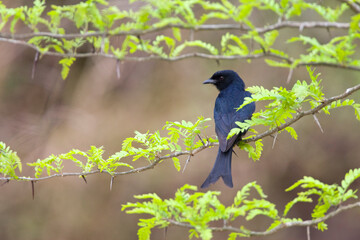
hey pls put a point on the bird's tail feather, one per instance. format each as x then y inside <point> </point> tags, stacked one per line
<point>222,168</point>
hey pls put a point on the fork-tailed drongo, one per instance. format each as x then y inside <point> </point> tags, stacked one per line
<point>231,96</point>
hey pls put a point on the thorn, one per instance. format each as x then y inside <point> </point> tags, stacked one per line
<point>291,71</point>
<point>263,49</point>
<point>165,232</point>
<point>118,69</point>
<point>36,59</point>
<point>202,141</point>
<point>141,42</point>
<point>93,49</point>
<point>308,232</point>
<point>192,35</point>
<point>6,181</point>
<point>111,182</point>
<point>32,189</point>
<point>275,137</point>
<point>301,27</point>
<point>186,163</point>
<point>225,222</point>
<point>102,46</point>
<point>234,153</point>
<point>83,177</point>
<point>328,30</point>
<point>318,123</point>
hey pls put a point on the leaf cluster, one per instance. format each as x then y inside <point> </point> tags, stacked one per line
<point>198,211</point>
<point>181,138</point>
<point>328,195</point>
<point>9,161</point>
<point>96,22</point>
<point>283,105</point>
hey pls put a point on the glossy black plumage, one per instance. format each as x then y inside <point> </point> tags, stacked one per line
<point>231,96</point>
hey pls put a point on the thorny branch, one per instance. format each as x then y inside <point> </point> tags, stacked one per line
<point>301,114</point>
<point>297,117</point>
<point>249,233</point>
<point>182,57</point>
<point>21,39</point>
<point>205,27</point>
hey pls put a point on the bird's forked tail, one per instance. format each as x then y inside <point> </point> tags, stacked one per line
<point>222,168</point>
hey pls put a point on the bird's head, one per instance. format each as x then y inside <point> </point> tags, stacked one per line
<point>222,79</point>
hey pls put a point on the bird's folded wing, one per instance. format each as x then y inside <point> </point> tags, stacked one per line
<point>224,123</point>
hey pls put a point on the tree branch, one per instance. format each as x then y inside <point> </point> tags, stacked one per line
<point>301,114</point>
<point>355,7</point>
<point>306,223</point>
<point>204,27</point>
<point>180,57</point>
<point>136,170</point>
<point>297,117</point>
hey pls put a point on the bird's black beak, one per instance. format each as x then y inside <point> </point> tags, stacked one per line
<point>209,81</point>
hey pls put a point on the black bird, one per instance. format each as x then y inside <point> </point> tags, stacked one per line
<point>231,96</point>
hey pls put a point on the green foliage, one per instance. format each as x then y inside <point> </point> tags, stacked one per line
<point>9,161</point>
<point>188,132</point>
<point>285,105</point>
<point>66,63</point>
<point>96,22</point>
<point>181,136</point>
<point>328,195</point>
<point>198,211</point>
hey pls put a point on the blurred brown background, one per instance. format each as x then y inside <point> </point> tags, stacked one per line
<point>47,115</point>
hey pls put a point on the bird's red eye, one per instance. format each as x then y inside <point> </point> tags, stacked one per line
<point>221,78</point>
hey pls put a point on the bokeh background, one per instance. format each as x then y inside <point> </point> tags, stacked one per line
<point>47,115</point>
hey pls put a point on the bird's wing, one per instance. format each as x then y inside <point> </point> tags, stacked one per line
<point>225,121</point>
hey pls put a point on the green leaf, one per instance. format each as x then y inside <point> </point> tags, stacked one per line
<point>66,63</point>
<point>176,33</point>
<point>176,162</point>
<point>9,161</point>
